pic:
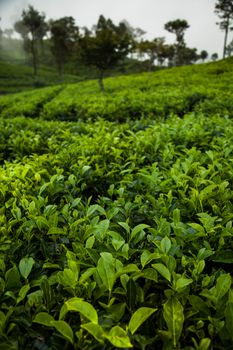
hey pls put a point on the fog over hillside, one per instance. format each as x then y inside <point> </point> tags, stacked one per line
<point>150,15</point>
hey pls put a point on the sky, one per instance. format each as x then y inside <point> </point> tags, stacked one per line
<point>149,15</point>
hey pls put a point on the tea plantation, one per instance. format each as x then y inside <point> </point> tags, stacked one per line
<point>116,213</point>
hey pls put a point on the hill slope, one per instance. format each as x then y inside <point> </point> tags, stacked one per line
<point>17,77</point>
<point>116,214</point>
<point>207,88</point>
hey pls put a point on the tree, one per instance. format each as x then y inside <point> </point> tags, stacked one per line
<point>153,49</point>
<point>64,33</point>
<point>32,27</point>
<point>203,55</point>
<point>105,46</point>
<point>168,53</point>
<point>214,56</point>
<point>224,10</point>
<point>178,27</point>
<point>189,55</point>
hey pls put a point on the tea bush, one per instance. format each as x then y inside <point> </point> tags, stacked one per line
<point>118,233</point>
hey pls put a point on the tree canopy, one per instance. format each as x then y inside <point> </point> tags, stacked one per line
<point>224,10</point>
<point>64,34</point>
<point>178,27</point>
<point>32,27</point>
<point>106,45</point>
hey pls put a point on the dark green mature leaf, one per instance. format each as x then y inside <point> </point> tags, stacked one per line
<point>61,326</point>
<point>12,278</point>
<point>229,319</point>
<point>225,257</point>
<point>2,321</point>
<point>131,293</point>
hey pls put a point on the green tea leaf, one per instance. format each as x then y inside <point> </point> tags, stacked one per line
<point>23,292</point>
<point>174,317</point>
<point>229,319</point>
<point>86,274</point>
<point>131,293</point>
<point>147,257</point>
<point>165,245</point>
<point>127,269</point>
<point>182,283</point>
<point>223,285</point>
<point>225,257</point>
<point>44,318</point>
<point>137,229</point>
<point>12,278</point>
<point>125,226</point>
<point>204,344</point>
<point>64,329</point>
<point>94,208</point>
<point>56,231</point>
<point>163,270</point>
<point>68,278</point>
<point>95,330</point>
<point>25,266</point>
<point>140,316</point>
<point>2,321</point>
<point>150,274</point>
<point>119,338</point>
<point>78,305</point>
<point>101,229</point>
<point>106,270</point>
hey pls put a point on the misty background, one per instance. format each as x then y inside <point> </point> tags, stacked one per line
<point>149,15</point>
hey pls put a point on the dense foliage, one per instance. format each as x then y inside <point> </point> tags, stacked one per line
<point>201,88</point>
<point>116,213</point>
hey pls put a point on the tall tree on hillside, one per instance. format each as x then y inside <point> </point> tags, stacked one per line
<point>105,46</point>
<point>224,10</point>
<point>178,27</point>
<point>33,28</point>
<point>64,34</point>
<point>203,55</point>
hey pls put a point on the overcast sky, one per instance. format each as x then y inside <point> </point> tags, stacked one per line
<point>150,15</point>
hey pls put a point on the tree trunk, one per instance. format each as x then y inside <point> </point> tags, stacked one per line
<point>100,81</point>
<point>60,64</point>
<point>34,58</point>
<point>225,38</point>
<point>60,70</point>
